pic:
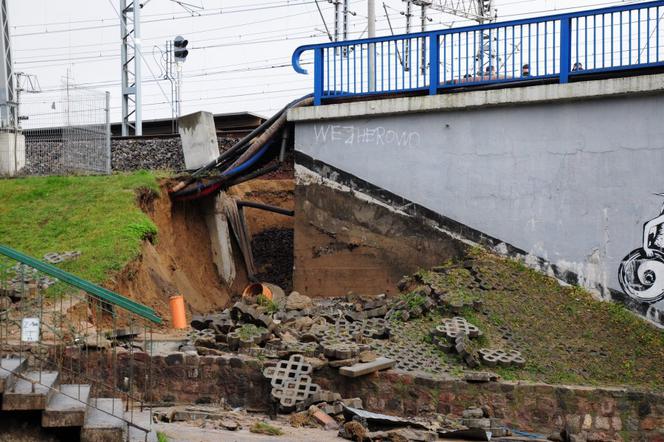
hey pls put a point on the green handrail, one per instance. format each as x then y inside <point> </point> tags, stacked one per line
<point>90,288</point>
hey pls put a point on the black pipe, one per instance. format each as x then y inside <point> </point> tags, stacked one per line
<point>242,143</point>
<point>267,207</point>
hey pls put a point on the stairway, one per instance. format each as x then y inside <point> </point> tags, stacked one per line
<point>68,405</point>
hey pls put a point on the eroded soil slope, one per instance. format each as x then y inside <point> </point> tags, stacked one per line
<point>180,262</point>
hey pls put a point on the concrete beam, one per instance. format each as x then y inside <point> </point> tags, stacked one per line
<point>455,101</point>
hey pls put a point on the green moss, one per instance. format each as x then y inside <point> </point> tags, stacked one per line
<point>265,428</point>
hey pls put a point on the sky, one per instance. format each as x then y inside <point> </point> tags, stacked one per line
<point>240,50</point>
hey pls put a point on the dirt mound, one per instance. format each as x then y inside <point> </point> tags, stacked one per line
<point>179,263</point>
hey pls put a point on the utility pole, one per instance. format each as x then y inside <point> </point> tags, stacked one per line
<point>337,5</point>
<point>423,28</point>
<point>424,5</point>
<point>409,14</point>
<point>371,31</point>
<point>345,21</point>
<point>130,54</point>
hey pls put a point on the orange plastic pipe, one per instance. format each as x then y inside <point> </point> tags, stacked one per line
<point>178,312</point>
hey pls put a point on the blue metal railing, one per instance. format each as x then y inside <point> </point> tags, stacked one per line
<point>619,38</point>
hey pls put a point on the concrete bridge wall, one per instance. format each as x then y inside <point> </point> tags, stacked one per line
<point>565,174</point>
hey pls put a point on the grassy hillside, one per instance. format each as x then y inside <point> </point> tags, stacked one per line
<point>96,215</point>
<point>565,334</point>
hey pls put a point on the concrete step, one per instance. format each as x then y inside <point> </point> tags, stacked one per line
<point>22,396</point>
<point>144,419</point>
<point>67,407</point>
<point>106,425</point>
<point>9,365</point>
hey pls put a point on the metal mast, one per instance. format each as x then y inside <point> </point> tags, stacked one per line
<point>8,117</point>
<point>481,11</point>
<point>130,53</point>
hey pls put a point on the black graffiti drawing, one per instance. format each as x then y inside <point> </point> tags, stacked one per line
<point>641,273</point>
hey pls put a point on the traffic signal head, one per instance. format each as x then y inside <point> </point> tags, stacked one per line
<point>180,48</point>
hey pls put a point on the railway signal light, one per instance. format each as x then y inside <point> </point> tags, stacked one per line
<point>180,51</point>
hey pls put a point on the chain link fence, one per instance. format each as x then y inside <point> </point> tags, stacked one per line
<point>66,131</point>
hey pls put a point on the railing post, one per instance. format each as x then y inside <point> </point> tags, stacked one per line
<point>565,48</point>
<point>434,64</point>
<point>318,76</point>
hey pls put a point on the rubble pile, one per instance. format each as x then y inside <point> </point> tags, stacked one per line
<point>357,335</point>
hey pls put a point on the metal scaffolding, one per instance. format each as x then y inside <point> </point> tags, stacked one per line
<point>130,30</point>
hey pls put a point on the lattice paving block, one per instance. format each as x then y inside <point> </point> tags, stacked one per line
<point>196,335</point>
<point>293,391</point>
<point>346,331</point>
<point>285,371</point>
<point>306,348</point>
<point>492,357</point>
<point>452,327</point>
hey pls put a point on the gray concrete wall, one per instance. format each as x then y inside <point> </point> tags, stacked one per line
<point>570,180</point>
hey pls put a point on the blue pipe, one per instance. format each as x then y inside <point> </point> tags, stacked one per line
<point>250,162</point>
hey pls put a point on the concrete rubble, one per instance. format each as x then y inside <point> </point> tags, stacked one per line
<point>295,336</point>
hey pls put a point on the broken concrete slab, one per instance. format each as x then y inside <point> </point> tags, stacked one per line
<point>67,407</point>
<point>365,368</point>
<point>31,391</point>
<point>296,301</point>
<point>377,421</point>
<point>323,418</point>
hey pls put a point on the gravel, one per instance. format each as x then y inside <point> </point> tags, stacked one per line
<point>128,154</point>
<point>273,255</point>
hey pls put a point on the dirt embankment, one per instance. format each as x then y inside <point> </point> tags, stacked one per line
<point>179,263</point>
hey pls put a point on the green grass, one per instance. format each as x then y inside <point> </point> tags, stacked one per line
<point>97,215</point>
<point>565,334</point>
<point>161,437</point>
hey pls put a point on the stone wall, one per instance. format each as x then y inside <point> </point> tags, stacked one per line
<point>152,153</point>
<point>597,414</point>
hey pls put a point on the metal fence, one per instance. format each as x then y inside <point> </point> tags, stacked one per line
<point>66,131</point>
<point>70,337</point>
<point>559,47</point>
